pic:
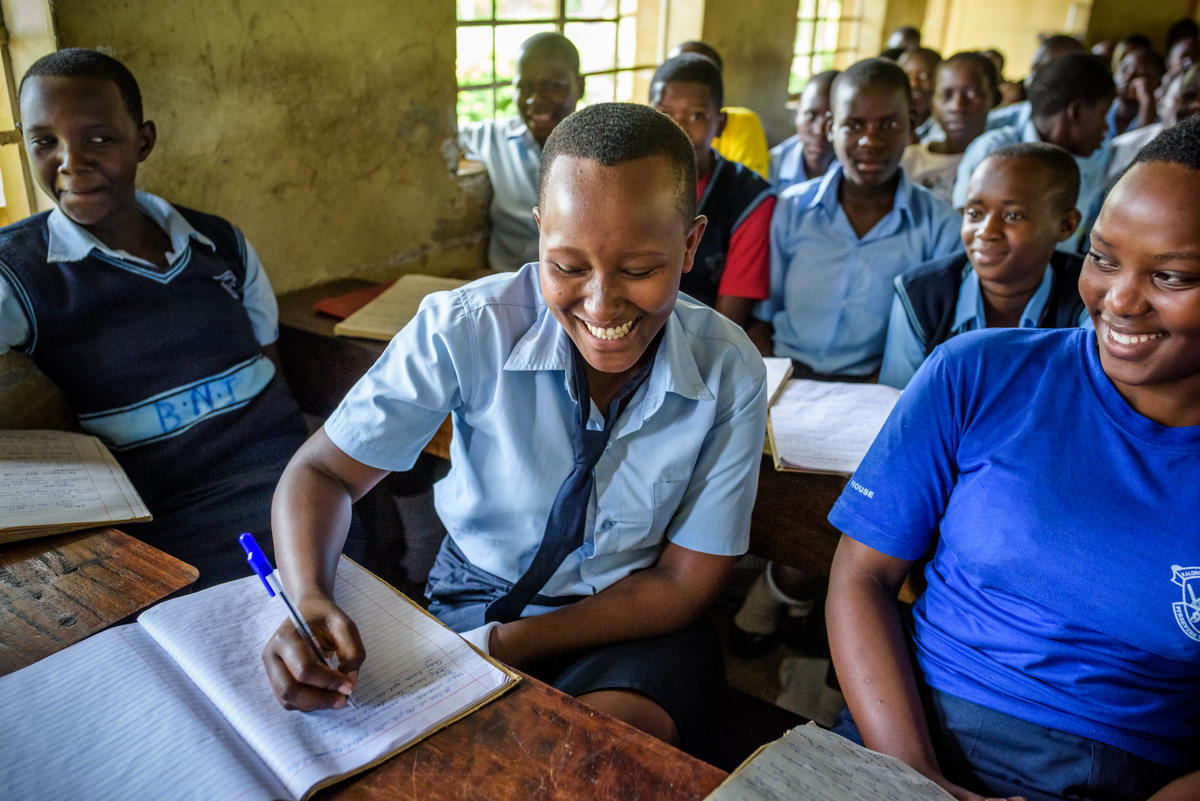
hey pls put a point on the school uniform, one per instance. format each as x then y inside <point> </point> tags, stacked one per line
<point>943,299</point>
<point>732,258</point>
<point>1062,592</point>
<point>681,465</point>
<point>1017,113</point>
<point>934,171</point>
<point>512,157</point>
<point>165,367</point>
<point>1093,170</point>
<point>1126,146</point>
<point>787,164</point>
<point>830,290</point>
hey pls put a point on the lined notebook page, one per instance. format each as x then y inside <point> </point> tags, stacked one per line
<point>113,717</point>
<point>809,762</point>
<point>417,674</point>
<point>827,426</point>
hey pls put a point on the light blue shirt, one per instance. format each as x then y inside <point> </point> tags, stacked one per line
<point>831,290</point>
<point>69,241</point>
<point>903,353</point>
<point>1017,113</point>
<point>512,157</point>
<point>787,163</point>
<point>930,131</point>
<point>1093,171</point>
<point>681,465</point>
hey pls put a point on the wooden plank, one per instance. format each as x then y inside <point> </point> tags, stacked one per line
<point>535,743</point>
<point>55,591</point>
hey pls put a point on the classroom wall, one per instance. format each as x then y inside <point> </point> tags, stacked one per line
<point>1011,27</point>
<point>326,132</point>
<point>1112,19</point>
<point>755,41</point>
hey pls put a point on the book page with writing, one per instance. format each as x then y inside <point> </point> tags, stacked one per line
<point>778,370</point>
<point>417,675</point>
<point>827,426</point>
<point>384,316</point>
<point>809,762</point>
<point>113,717</point>
<point>61,480</point>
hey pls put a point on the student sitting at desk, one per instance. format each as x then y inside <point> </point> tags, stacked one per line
<point>156,321</point>
<point>1020,205</point>
<point>808,153</point>
<point>596,583</point>
<point>838,241</point>
<point>548,87</point>
<point>1056,651</point>
<point>731,270</point>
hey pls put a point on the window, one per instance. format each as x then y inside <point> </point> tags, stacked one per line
<point>828,34</point>
<point>491,31</point>
<point>17,199</point>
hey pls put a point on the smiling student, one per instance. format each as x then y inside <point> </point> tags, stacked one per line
<point>808,153</point>
<point>588,565</point>
<point>547,87</point>
<point>1056,650</point>
<point>731,267</point>
<point>1020,205</point>
<point>156,321</point>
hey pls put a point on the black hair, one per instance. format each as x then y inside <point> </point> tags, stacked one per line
<point>614,133</point>
<point>1056,166</point>
<point>1056,46</point>
<point>877,72</point>
<point>690,68</point>
<point>907,33</point>
<point>76,62</point>
<point>551,43</point>
<point>1075,77</point>
<point>1179,144</point>
<point>892,53</point>
<point>1135,41</point>
<point>982,65</point>
<point>700,48</point>
<point>823,79</point>
<point>991,51</point>
<point>921,51</point>
<point>1182,29</point>
<point>1149,53</point>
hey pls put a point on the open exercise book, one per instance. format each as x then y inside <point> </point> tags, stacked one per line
<point>56,481</point>
<point>811,763</point>
<point>178,706</point>
<point>826,426</point>
<point>388,312</point>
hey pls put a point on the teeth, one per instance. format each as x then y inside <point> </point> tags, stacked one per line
<point>609,333</point>
<point>1131,339</point>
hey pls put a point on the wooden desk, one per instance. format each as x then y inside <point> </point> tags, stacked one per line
<point>535,743</point>
<point>54,591</point>
<point>788,524</point>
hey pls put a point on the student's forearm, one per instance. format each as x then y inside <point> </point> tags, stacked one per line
<point>659,600</point>
<point>1185,788</point>
<point>870,654</point>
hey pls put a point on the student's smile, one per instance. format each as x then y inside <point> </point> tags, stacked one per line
<point>613,245</point>
<point>870,131</point>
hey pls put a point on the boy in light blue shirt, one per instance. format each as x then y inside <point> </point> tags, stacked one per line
<point>837,242</point>
<point>586,365</point>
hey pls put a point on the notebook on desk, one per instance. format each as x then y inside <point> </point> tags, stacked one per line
<point>386,314</point>
<point>826,426</point>
<point>178,705</point>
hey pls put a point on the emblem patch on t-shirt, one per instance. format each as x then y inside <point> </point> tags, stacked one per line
<point>1187,611</point>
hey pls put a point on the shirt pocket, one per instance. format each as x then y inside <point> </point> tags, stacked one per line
<point>641,520</point>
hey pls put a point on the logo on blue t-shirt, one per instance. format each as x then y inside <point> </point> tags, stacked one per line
<point>1187,611</point>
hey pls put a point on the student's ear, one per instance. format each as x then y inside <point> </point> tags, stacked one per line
<point>694,235</point>
<point>1067,224</point>
<point>147,136</point>
<point>537,217</point>
<point>827,126</point>
<point>722,121</point>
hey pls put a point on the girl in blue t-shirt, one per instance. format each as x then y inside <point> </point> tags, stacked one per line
<point>1056,651</point>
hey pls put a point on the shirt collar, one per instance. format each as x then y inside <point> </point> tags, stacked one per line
<point>70,241</point>
<point>517,129</point>
<point>971,315</point>
<point>826,197</point>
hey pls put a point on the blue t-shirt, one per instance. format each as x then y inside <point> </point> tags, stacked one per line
<point>1064,587</point>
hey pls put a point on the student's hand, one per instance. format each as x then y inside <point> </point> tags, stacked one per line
<point>299,680</point>
<point>966,795</point>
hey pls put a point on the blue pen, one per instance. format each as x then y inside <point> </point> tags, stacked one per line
<point>270,579</point>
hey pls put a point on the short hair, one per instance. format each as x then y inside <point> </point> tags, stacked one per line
<point>1185,28</point>
<point>1179,144</point>
<point>982,65</point>
<point>1075,77</point>
<point>614,133</point>
<point>78,62</point>
<point>823,80</point>
<point>892,53</point>
<point>1055,46</point>
<point>877,72</point>
<point>550,43</point>
<point>701,48</point>
<point>926,52</point>
<point>1056,165</point>
<point>1135,41</point>
<point>690,68</point>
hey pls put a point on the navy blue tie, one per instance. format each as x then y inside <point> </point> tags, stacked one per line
<point>568,516</point>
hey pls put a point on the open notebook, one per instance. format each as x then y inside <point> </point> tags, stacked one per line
<point>178,706</point>
<point>809,762</point>
<point>388,312</point>
<point>826,426</point>
<point>56,481</point>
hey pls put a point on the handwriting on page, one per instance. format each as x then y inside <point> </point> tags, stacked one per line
<point>809,762</point>
<point>828,426</point>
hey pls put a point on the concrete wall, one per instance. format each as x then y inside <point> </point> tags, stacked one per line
<point>1012,27</point>
<point>325,131</point>
<point>1112,19</point>
<point>755,40</point>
